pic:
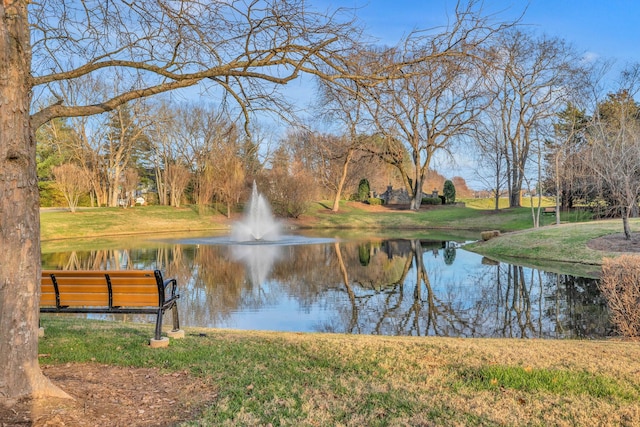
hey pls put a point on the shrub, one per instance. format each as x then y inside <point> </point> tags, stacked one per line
<point>290,196</point>
<point>488,235</point>
<point>620,286</point>
<point>374,201</point>
<point>431,201</point>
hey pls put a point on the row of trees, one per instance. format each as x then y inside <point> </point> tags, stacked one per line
<point>188,152</point>
<point>196,153</point>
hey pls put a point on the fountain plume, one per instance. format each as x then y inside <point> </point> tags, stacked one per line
<point>258,222</point>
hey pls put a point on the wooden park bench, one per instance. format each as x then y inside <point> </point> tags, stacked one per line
<point>113,292</point>
<point>549,210</point>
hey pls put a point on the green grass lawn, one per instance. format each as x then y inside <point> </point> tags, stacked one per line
<point>94,222</point>
<point>357,216</point>
<point>294,379</point>
<point>546,246</point>
<point>100,222</point>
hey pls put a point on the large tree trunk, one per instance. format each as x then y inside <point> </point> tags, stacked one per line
<point>416,195</point>
<point>515,193</point>
<point>19,215</point>
<point>416,198</point>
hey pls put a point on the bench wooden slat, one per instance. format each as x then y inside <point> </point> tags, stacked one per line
<point>82,288</point>
<point>100,274</point>
<point>131,273</point>
<point>123,288</point>
<point>135,300</point>
<point>48,299</point>
<point>74,273</point>
<point>84,300</point>
<point>140,282</point>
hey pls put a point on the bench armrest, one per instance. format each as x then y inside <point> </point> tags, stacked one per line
<point>174,288</point>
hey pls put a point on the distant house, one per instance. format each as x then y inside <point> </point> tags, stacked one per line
<point>395,197</point>
<point>400,196</point>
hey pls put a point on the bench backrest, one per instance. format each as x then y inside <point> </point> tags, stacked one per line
<point>125,288</point>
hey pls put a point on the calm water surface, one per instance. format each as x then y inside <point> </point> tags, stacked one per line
<point>362,286</point>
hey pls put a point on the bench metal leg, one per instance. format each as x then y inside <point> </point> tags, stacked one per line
<point>176,332</point>
<point>159,325</point>
<point>159,341</point>
<point>176,320</point>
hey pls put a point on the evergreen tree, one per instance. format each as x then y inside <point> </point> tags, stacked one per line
<point>449,192</point>
<point>363,190</point>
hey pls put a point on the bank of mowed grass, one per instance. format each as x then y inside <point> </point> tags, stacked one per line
<point>61,230</point>
<point>94,222</point>
<point>265,378</point>
<point>101,222</point>
<point>564,243</point>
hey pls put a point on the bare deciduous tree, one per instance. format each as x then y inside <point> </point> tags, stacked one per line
<point>437,96</point>
<point>613,153</point>
<point>491,156</point>
<point>72,182</point>
<point>229,172</point>
<point>129,182</point>
<point>177,178</point>
<point>342,103</point>
<point>125,133</point>
<point>531,80</point>
<point>328,158</point>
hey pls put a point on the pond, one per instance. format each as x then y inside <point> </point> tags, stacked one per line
<point>376,285</point>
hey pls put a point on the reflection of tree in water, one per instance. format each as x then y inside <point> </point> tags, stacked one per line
<point>103,259</point>
<point>576,305</point>
<point>416,308</point>
<point>364,252</point>
<point>450,253</point>
<point>397,305</point>
<point>527,303</point>
<point>496,300</point>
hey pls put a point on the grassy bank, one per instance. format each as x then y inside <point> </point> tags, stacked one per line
<point>565,243</point>
<point>288,379</point>
<point>100,222</point>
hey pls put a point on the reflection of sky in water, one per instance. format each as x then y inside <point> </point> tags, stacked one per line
<point>285,315</point>
<point>298,284</point>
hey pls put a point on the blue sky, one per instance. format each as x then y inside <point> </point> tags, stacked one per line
<point>604,28</point>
